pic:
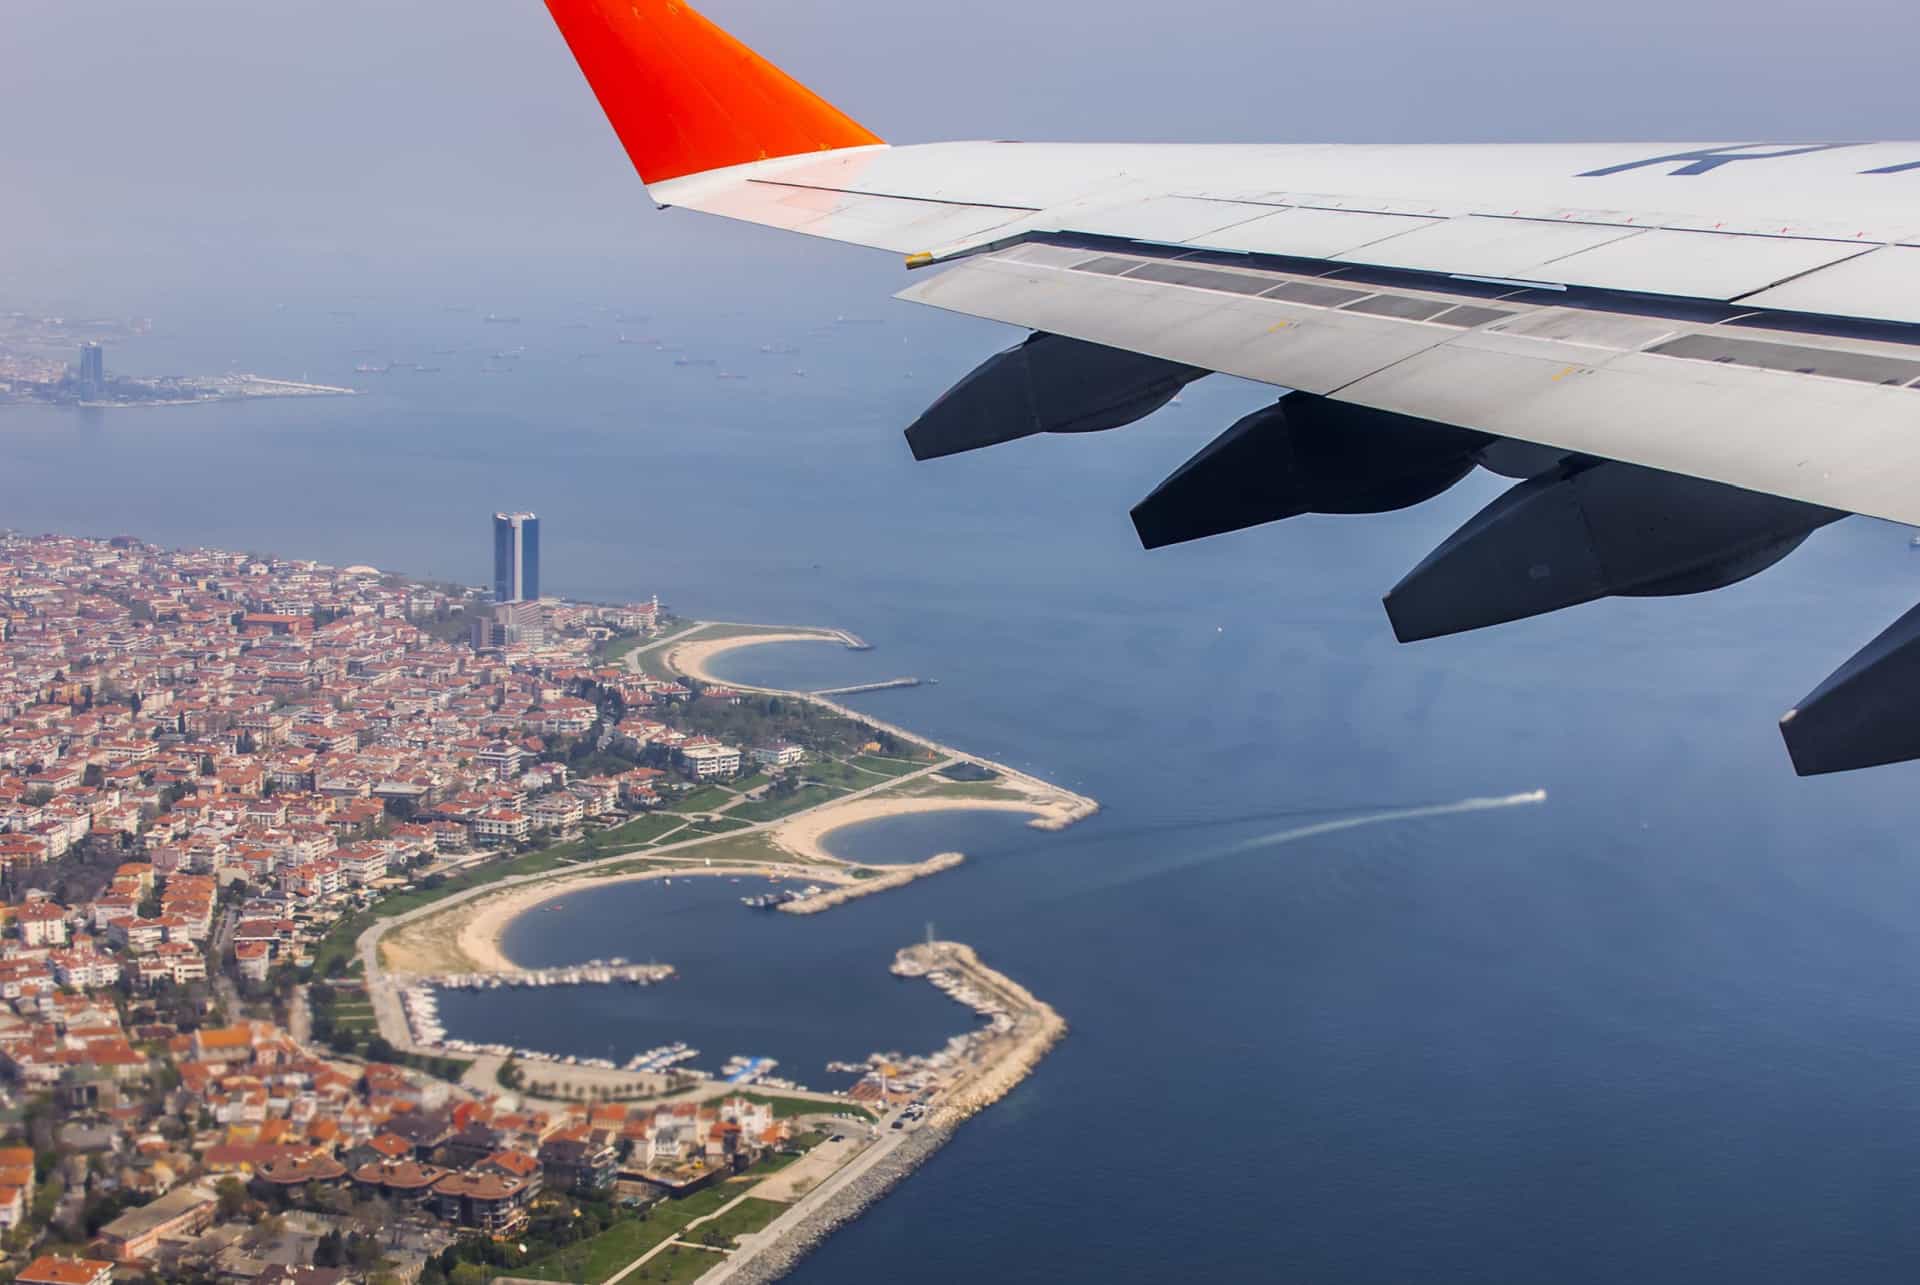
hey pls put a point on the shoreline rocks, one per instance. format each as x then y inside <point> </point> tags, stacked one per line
<point>846,892</point>
<point>773,1261</point>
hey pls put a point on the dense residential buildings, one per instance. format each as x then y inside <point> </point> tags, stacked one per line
<point>208,760</point>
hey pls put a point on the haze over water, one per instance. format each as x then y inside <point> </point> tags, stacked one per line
<point>1659,1029</point>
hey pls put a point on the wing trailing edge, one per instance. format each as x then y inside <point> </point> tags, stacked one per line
<point>685,97</point>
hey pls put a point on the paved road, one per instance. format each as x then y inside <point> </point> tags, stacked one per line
<point>386,1005</point>
<point>674,1239</point>
<point>299,1016</point>
<point>770,1235</point>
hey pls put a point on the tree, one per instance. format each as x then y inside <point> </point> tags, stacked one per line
<point>331,1251</point>
<point>233,1198</point>
<point>264,1233</point>
<point>363,1252</point>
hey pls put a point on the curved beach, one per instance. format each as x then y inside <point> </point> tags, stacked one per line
<point>469,937</point>
<point>692,656</point>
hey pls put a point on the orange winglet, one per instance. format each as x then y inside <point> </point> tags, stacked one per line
<point>684,96</point>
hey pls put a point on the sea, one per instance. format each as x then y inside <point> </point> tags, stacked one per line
<point>1663,1026</point>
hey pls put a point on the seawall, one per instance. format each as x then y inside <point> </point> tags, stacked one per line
<point>899,878</point>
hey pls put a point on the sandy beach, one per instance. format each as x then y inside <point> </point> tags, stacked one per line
<point>692,656</point>
<point>467,938</point>
<point>802,835</point>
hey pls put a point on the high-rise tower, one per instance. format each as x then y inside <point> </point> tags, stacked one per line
<point>93,371</point>
<point>516,557</point>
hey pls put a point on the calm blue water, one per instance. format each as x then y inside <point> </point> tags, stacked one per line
<point>823,1003</point>
<point>1662,1029</point>
<point>982,836</point>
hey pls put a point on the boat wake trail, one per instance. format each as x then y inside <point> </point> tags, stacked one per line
<point>1183,861</point>
<point>1527,799</point>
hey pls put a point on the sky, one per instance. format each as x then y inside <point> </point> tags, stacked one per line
<point>234,142</point>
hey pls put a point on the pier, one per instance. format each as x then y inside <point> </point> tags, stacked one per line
<point>886,685</point>
<point>979,1069</point>
<point>816,899</point>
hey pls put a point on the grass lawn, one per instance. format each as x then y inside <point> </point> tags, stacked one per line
<point>357,1019</point>
<point>754,847</point>
<point>704,799</point>
<point>835,772</point>
<point>592,1261</point>
<point>970,790</point>
<point>616,649</point>
<point>719,825</point>
<point>546,859</point>
<point>642,829</point>
<point>677,1266</point>
<point>890,766</point>
<point>784,1108</point>
<point>596,1259</point>
<point>745,1218</point>
<point>807,796</point>
<point>338,943</point>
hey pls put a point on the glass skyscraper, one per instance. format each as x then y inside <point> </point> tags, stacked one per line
<point>516,557</point>
<point>93,370</point>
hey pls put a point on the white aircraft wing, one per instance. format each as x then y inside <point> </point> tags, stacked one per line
<point>1689,355</point>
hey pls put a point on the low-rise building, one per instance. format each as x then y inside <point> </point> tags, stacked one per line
<point>578,1160</point>
<point>708,760</point>
<point>484,1202</point>
<point>501,825</point>
<point>48,1270</point>
<point>780,754</point>
<point>134,1236</point>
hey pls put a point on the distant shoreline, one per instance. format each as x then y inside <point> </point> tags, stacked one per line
<point>244,388</point>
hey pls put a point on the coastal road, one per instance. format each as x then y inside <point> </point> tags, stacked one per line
<point>674,1239</point>
<point>381,988</point>
<point>770,1236</point>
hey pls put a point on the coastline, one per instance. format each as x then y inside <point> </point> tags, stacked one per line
<point>804,833</point>
<point>1034,1029</point>
<point>972,1073</point>
<point>474,936</point>
<point>465,934</point>
<point>691,655</point>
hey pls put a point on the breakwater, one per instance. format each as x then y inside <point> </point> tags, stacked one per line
<point>1024,1028</point>
<point>776,1255</point>
<point>858,689</point>
<point>828,898</point>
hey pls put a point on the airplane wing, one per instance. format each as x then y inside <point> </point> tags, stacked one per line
<point>1688,356</point>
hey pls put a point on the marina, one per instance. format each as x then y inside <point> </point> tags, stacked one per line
<point>420,1002</point>
<point>597,972</point>
<point>664,1058</point>
<point>781,897</point>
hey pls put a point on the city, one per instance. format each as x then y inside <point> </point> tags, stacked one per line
<point>700,642</point>
<point>208,761</point>
<point>31,375</point>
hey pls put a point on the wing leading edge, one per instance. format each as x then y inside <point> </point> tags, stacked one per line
<point>1685,372</point>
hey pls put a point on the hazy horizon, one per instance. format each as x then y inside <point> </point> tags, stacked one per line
<point>220,143</point>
